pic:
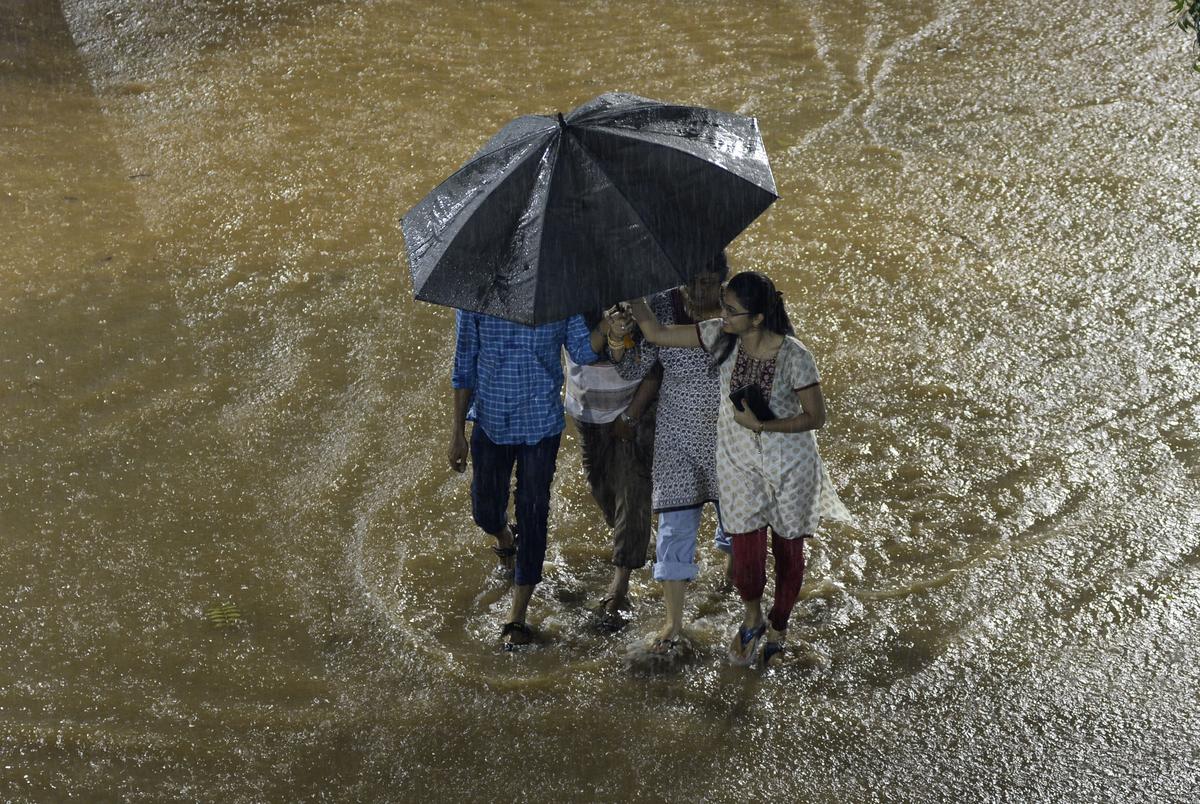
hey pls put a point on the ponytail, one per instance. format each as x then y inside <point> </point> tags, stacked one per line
<point>776,318</point>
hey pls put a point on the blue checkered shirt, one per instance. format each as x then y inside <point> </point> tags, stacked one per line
<point>516,373</point>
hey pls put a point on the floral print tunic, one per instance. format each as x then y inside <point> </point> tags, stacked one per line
<point>685,434</point>
<point>775,479</point>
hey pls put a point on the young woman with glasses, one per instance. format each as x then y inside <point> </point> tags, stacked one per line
<point>769,471</point>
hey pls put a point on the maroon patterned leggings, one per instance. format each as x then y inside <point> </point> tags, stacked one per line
<point>750,571</point>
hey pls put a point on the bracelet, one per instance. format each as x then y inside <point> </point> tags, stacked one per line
<point>625,417</point>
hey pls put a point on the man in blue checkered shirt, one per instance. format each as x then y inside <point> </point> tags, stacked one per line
<point>508,379</point>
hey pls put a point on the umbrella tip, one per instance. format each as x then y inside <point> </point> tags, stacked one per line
<point>561,123</point>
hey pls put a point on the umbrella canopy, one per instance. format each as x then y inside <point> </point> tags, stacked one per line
<point>623,197</point>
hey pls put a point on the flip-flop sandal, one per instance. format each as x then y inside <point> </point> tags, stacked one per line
<point>748,639</point>
<point>770,651</point>
<point>507,568</point>
<point>610,621</point>
<point>504,553</point>
<point>516,628</point>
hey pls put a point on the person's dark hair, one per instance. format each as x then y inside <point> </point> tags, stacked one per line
<point>719,265</point>
<point>758,295</point>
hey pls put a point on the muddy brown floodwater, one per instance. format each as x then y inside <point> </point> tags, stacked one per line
<point>215,387</point>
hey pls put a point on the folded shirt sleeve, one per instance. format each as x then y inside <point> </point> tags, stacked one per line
<point>579,341</point>
<point>466,350</point>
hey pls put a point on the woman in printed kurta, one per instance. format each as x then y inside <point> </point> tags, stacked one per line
<point>769,471</point>
<point>685,439</point>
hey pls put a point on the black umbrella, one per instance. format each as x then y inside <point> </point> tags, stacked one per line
<point>623,197</point>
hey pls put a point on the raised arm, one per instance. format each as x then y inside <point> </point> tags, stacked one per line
<point>583,345</point>
<point>681,335</point>
<point>599,335</point>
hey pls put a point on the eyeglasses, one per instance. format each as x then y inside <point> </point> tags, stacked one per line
<point>729,312</point>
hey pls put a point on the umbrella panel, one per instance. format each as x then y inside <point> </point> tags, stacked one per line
<point>488,250</point>
<point>731,141</point>
<point>694,207</point>
<point>596,250</point>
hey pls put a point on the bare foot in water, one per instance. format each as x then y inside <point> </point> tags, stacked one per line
<point>665,642</point>
<point>663,654</point>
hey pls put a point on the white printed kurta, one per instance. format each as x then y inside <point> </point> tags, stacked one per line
<point>775,479</point>
<point>685,433</point>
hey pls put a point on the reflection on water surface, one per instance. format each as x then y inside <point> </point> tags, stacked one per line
<point>216,388</point>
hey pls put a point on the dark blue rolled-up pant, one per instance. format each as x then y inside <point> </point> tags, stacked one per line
<point>491,476</point>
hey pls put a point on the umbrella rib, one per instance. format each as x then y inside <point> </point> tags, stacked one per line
<point>679,274</point>
<point>598,116</point>
<point>541,233</point>
<point>518,141</point>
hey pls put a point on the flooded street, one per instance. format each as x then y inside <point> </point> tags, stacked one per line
<point>215,387</point>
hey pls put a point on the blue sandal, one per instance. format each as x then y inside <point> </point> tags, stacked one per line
<point>743,655</point>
